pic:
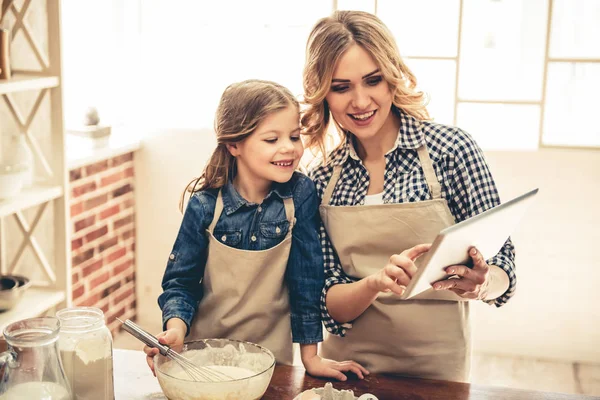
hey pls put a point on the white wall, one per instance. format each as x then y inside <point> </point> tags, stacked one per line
<point>555,313</point>
<point>166,162</point>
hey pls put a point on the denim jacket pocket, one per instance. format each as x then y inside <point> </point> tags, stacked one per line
<point>231,238</point>
<point>272,233</point>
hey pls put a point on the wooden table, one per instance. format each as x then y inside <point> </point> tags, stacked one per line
<point>134,381</point>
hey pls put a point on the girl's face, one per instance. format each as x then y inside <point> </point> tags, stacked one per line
<point>272,153</point>
<point>360,99</point>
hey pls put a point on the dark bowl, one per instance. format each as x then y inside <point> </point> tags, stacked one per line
<point>9,297</point>
<point>8,283</point>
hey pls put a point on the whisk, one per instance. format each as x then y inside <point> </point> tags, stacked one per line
<point>195,372</point>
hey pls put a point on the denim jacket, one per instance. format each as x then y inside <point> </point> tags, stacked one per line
<point>239,222</point>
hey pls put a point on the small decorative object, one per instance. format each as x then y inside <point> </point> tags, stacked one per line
<point>92,129</point>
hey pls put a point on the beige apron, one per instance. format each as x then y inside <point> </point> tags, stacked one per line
<point>245,295</point>
<point>427,338</point>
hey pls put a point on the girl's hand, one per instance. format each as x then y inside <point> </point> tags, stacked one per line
<point>323,367</point>
<point>171,337</point>
<point>473,282</point>
<point>396,275</point>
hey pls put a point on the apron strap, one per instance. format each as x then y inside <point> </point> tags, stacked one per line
<point>430,177</point>
<point>337,170</point>
<point>289,212</point>
<point>218,211</point>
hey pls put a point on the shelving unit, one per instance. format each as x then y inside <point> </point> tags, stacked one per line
<point>50,191</point>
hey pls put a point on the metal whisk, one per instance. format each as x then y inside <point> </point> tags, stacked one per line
<point>196,372</point>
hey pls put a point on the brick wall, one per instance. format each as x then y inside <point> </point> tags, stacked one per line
<point>103,237</point>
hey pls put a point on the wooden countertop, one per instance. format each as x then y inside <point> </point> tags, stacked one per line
<point>134,381</point>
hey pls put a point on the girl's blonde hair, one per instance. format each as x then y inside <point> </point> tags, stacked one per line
<point>243,106</point>
<point>329,39</point>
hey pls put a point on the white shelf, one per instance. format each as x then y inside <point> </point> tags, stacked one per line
<point>35,301</point>
<point>29,197</point>
<point>19,83</point>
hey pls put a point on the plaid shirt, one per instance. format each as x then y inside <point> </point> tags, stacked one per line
<point>459,164</point>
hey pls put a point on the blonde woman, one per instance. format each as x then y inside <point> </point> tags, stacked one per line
<point>392,184</point>
<point>246,263</point>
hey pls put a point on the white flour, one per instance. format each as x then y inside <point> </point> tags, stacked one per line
<point>36,391</point>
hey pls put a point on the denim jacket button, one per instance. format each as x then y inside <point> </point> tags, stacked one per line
<point>253,238</point>
<point>259,209</point>
<point>172,257</point>
<point>277,230</point>
<point>223,238</point>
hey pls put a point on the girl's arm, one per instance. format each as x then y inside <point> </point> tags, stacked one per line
<point>182,289</point>
<point>304,273</point>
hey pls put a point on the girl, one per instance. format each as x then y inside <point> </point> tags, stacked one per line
<point>247,261</point>
<point>401,178</point>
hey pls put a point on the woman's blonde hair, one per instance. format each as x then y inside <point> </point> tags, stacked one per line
<point>242,108</point>
<point>329,39</point>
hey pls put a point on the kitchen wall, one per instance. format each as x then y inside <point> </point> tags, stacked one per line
<point>555,313</point>
<point>102,209</point>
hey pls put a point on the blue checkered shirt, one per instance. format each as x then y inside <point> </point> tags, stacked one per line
<point>466,183</point>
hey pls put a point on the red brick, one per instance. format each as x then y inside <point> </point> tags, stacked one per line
<point>119,298</point>
<point>78,291</point>
<point>107,244</point>
<point>76,209</point>
<point>88,270</point>
<point>110,289</point>
<point>122,190</point>
<point>84,223</point>
<point>83,189</point>
<point>123,221</point>
<point>116,255</point>
<point>86,255</point>
<point>129,172</point>
<point>122,267</point>
<point>128,203</point>
<point>96,201</point>
<point>128,234</point>
<point>75,174</point>
<point>95,168</point>
<point>121,159</point>
<point>109,211</point>
<point>89,301</point>
<point>110,179</point>
<point>77,243</point>
<point>99,280</point>
<point>96,234</point>
<point>75,277</point>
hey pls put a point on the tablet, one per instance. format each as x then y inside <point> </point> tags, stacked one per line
<point>487,231</point>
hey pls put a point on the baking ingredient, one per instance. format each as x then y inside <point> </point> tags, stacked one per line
<point>233,372</point>
<point>89,372</point>
<point>36,391</point>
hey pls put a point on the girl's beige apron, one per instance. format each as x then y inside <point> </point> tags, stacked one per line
<point>427,336</point>
<point>245,295</point>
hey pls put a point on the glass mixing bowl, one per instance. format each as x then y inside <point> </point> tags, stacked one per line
<point>249,365</point>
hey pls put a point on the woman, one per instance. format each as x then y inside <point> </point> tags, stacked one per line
<point>406,178</point>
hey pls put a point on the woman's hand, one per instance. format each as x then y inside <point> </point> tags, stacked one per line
<point>473,282</point>
<point>317,366</point>
<point>173,336</point>
<point>398,272</point>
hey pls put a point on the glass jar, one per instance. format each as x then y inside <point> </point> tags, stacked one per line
<point>85,345</point>
<point>30,368</point>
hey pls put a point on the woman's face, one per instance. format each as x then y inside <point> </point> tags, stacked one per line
<point>359,99</point>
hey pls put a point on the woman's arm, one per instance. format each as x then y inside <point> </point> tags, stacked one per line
<point>347,302</point>
<point>473,191</point>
